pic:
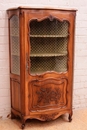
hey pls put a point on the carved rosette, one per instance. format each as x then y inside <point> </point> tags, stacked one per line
<point>47,95</point>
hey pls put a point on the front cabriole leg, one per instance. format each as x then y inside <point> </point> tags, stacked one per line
<point>70,117</point>
<point>23,122</point>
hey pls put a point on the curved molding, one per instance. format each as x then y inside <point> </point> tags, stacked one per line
<point>52,80</point>
<point>43,82</point>
<point>51,116</point>
<point>50,17</point>
<point>47,73</point>
<point>15,80</point>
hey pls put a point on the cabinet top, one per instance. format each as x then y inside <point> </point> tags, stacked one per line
<point>44,8</point>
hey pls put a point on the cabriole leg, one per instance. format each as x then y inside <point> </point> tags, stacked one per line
<point>12,115</point>
<point>70,117</point>
<point>22,126</point>
<point>23,122</point>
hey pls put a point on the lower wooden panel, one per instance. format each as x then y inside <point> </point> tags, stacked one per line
<point>15,94</point>
<point>47,94</point>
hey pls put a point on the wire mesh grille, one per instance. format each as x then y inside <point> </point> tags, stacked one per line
<point>14,25</point>
<point>48,46</point>
<point>43,64</point>
<point>15,67</point>
<point>47,27</point>
<point>15,48</point>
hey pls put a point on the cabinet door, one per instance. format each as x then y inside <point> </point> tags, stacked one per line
<point>48,94</point>
<point>48,42</point>
<point>50,50</point>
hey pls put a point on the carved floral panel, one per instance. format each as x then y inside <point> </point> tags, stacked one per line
<point>48,93</point>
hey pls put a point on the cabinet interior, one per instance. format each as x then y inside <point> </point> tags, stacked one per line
<point>48,41</point>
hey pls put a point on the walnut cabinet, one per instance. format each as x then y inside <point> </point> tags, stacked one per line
<point>41,50</point>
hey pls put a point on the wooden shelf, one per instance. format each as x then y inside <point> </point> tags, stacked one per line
<point>45,71</point>
<point>44,36</point>
<point>48,55</point>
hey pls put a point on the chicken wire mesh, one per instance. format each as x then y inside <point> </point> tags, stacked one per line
<point>15,48</point>
<point>48,41</point>
<point>42,64</point>
<point>48,45</point>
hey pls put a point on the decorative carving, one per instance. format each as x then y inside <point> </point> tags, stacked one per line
<point>46,95</point>
<point>51,18</point>
<point>47,117</point>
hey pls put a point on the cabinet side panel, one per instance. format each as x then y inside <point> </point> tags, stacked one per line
<point>14,45</point>
<point>15,94</point>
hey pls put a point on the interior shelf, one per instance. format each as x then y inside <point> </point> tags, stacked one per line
<point>43,71</point>
<point>48,55</point>
<point>45,36</point>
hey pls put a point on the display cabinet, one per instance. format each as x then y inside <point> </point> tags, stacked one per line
<point>41,50</point>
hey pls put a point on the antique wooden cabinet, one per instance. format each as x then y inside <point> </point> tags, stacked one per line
<point>41,44</point>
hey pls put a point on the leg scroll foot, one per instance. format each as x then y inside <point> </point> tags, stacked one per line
<point>12,115</point>
<point>23,122</point>
<point>70,118</point>
<point>22,126</point>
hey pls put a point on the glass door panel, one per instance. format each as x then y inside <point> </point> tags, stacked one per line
<point>14,43</point>
<point>48,40</point>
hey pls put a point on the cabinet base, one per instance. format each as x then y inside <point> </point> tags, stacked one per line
<point>43,117</point>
